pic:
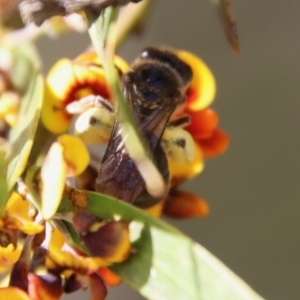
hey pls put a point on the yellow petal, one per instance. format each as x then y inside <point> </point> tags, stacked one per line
<point>8,256</point>
<point>17,206</point>
<point>29,227</point>
<point>13,293</point>
<point>53,174</point>
<point>58,83</point>
<point>155,210</point>
<point>75,154</point>
<point>203,83</point>
<point>67,261</point>
<point>121,64</point>
<point>57,240</point>
<point>109,241</point>
<point>9,107</point>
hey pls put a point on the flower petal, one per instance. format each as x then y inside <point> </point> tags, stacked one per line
<point>202,89</point>
<point>74,282</point>
<point>29,227</point>
<point>16,205</point>
<point>155,210</point>
<point>203,123</point>
<point>215,145</point>
<point>13,293</point>
<point>98,288</point>
<point>44,287</point>
<point>9,107</point>
<point>181,205</point>
<point>19,273</point>
<point>57,240</point>
<point>8,256</point>
<point>109,241</point>
<point>75,154</point>
<point>92,57</point>
<point>109,277</point>
<point>55,94</point>
<point>53,174</point>
<point>61,260</point>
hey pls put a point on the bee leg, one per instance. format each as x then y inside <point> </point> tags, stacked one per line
<point>180,122</point>
<point>178,144</point>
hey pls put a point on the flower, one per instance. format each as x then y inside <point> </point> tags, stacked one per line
<point>14,220</point>
<point>209,140</point>
<point>66,157</point>
<point>69,81</point>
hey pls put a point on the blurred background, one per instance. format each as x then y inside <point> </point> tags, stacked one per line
<point>253,189</point>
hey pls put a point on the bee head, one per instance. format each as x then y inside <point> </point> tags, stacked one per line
<point>169,58</point>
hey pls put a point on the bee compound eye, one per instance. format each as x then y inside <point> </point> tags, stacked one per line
<point>154,77</point>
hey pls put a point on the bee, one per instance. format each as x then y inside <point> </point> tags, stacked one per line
<point>154,88</point>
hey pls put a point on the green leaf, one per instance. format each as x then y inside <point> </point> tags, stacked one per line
<point>3,185</point>
<point>167,264</point>
<point>26,63</point>
<point>21,136</point>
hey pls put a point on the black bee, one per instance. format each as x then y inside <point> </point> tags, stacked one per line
<point>154,87</point>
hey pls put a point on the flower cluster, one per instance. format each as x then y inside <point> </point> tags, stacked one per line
<point>84,78</point>
<point>79,111</point>
<point>54,267</point>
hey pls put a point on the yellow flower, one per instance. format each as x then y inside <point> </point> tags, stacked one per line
<point>69,81</point>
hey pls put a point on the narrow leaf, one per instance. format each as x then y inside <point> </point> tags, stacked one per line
<point>3,185</point>
<point>21,136</point>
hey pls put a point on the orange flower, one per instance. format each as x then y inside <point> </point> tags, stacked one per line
<point>204,121</point>
<point>210,141</point>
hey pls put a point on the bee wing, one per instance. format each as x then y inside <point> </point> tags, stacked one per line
<point>118,175</point>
